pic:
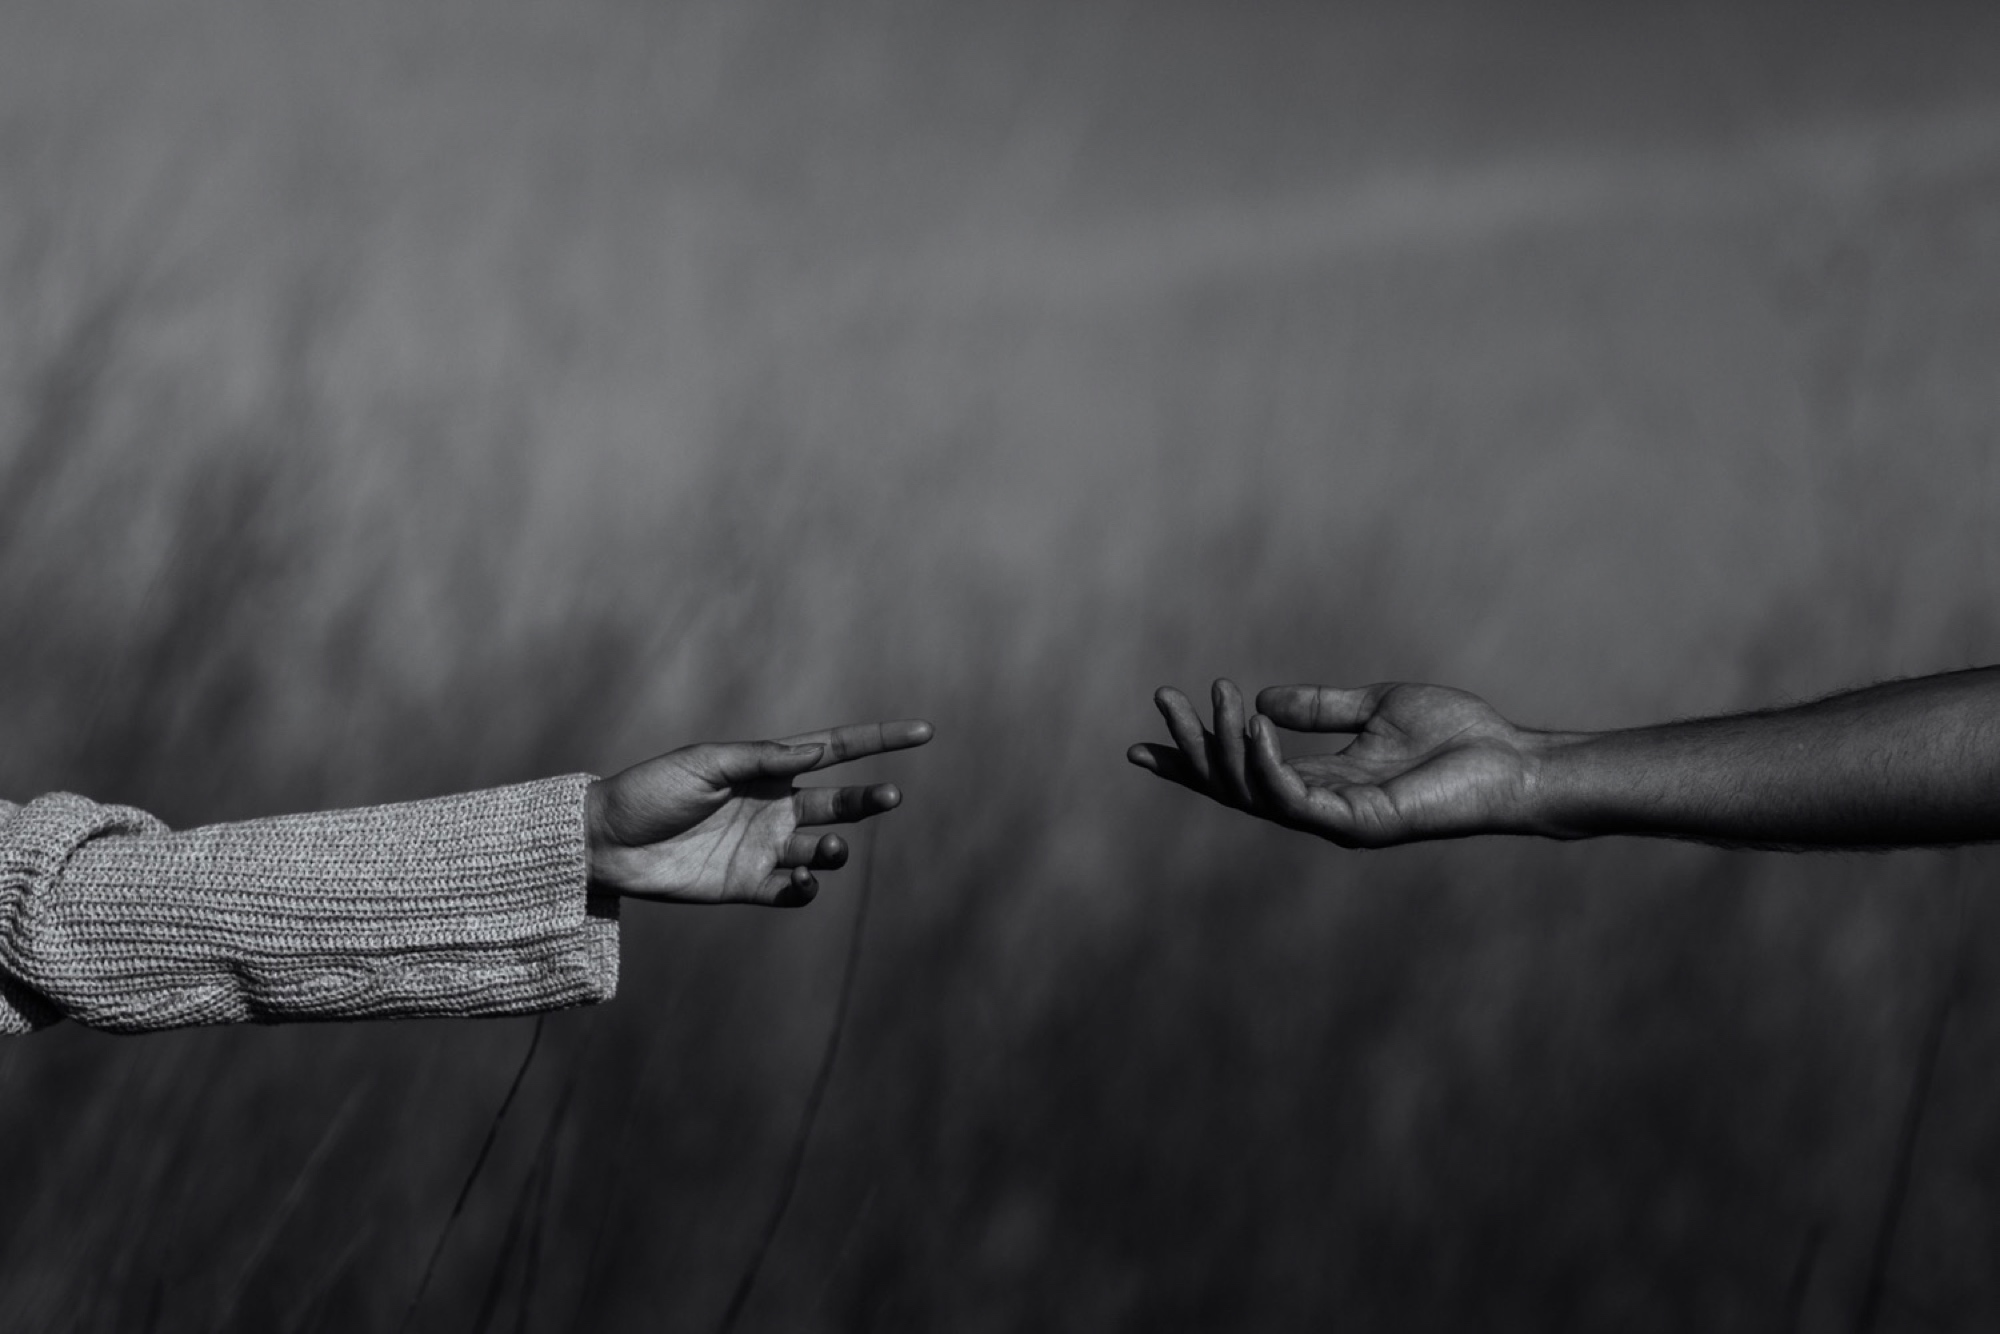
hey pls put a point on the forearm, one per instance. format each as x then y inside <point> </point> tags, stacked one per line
<point>1906,763</point>
<point>463,905</point>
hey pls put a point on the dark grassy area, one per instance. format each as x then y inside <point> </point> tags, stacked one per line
<point>404,399</point>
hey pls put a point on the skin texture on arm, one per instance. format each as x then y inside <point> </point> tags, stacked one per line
<point>726,823</point>
<point>1903,764</point>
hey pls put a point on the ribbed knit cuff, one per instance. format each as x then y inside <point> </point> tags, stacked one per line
<point>36,843</point>
<point>464,905</point>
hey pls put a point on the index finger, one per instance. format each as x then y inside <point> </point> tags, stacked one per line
<point>1318,708</point>
<point>857,740</point>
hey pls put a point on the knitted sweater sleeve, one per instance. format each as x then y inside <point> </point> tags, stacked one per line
<point>473,904</point>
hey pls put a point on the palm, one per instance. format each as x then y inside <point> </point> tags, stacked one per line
<point>727,824</point>
<point>1428,762</point>
<point>728,853</point>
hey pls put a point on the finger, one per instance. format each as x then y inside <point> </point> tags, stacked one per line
<point>1184,727</point>
<point>856,740</point>
<point>843,805</point>
<point>794,888</point>
<point>1168,763</point>
<point>1318,708</point>
<point>1282,792</point>
<point>815,852</point>
<point>1227,769</point>
<point>1277,786</point>
<point>734,762</point>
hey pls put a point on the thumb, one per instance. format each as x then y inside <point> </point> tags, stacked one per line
<point>1318,708</point>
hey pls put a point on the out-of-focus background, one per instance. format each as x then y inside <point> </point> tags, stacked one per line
<point>403,398</point>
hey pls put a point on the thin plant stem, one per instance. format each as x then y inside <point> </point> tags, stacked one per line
<point>1923,1082</point>
<point>503,1263</point>
<point>613,1192</point>
<point>1802,1274</point>
<point>530,1204</point>
<point>551,1166</point>
<point>478,1165</point>
<point>293,1196</point>
<point>310,1313</point>
<point>795,1164</point>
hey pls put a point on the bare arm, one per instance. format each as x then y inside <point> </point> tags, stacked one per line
<point>1906,763</point>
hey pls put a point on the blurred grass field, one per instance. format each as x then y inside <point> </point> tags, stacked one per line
<point>397,399</point>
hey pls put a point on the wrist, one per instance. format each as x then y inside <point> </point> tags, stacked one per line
<point>597,841</point>
<point>1555,788</point>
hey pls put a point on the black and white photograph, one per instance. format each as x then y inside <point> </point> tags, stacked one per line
<point>824,666</point>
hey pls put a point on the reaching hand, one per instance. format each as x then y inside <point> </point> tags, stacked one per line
<point>1425,762</point>
<point>721,823</point>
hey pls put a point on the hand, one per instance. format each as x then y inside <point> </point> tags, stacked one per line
<point>722,823</point>
<point>1425,762</point>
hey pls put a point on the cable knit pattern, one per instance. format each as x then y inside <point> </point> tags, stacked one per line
<point>463,905</point>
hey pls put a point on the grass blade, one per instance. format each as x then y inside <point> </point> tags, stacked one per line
<point>478,1165</point>
<point>803,1140</point>
<point>293,1196</point>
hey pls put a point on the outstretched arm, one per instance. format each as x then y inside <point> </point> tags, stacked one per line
<point>496,902</point>
<point>1906,763</point>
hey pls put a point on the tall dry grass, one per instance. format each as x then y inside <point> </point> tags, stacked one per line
<point>401,400</point>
